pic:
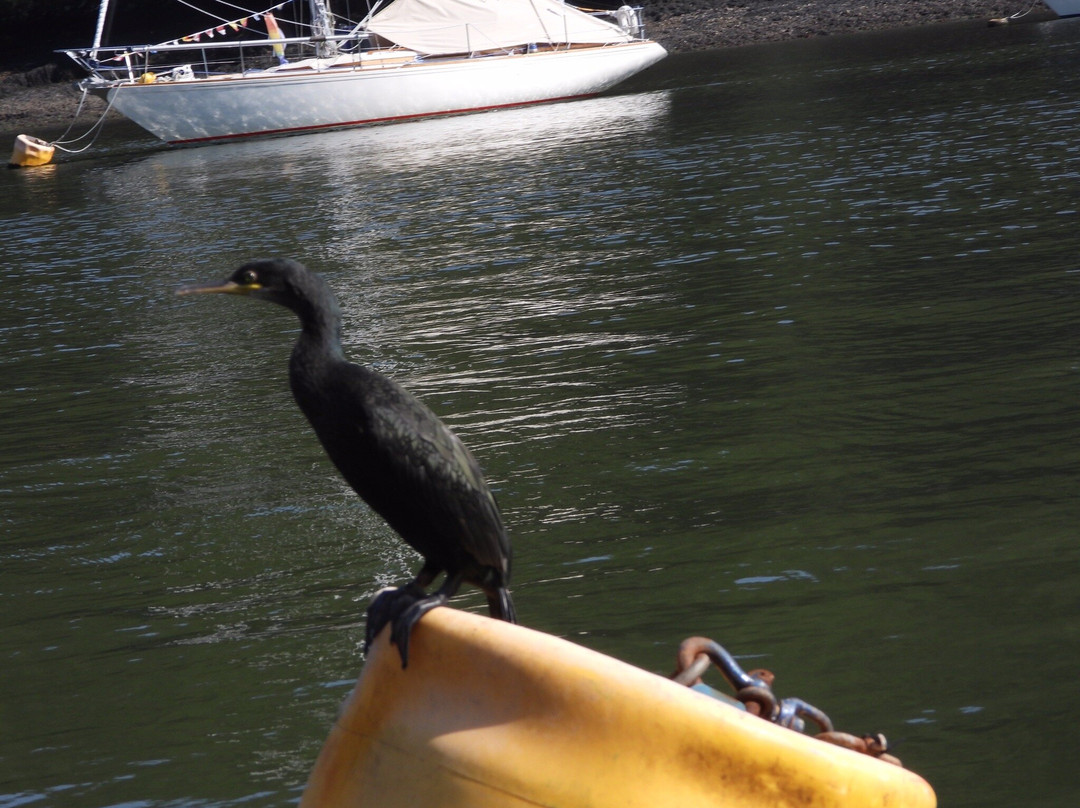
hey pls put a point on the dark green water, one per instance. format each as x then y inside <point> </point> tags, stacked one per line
<point>780,347</point>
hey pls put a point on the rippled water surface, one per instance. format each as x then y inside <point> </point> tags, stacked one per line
<point>777,346</point>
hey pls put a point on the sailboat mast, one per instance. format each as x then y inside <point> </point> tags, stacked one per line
<point>322,27</point>
<point>103,13</point>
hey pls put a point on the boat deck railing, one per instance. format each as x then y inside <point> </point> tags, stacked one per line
<point>187,60</point>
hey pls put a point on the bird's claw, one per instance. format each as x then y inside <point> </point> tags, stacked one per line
<point>385,608</point>
<point>402,608</point>
<point>402,623</point>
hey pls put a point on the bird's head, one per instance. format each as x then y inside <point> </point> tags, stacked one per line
<point>278,280</point>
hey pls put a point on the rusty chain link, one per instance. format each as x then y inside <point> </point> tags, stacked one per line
<point>754,691</point>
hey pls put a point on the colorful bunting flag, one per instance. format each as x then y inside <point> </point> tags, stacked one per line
<point>273,30</point>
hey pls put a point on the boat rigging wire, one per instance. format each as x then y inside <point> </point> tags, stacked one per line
<point>247,11</point>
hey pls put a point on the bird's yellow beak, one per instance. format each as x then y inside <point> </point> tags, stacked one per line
<point>222,287</point>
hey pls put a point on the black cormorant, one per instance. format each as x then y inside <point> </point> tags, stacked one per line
<point>394,452</point>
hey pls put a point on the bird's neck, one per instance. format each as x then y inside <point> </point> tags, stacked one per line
<point>320,328</point>
<point>319,343</point>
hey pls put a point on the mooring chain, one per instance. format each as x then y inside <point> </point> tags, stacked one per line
<point>754,690</point>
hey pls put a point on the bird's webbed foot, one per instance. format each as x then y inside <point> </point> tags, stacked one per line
<point>409,616</point>
<point>404,607</point>
<point>385,608</point>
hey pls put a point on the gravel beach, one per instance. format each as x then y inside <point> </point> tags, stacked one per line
<point>44,100</point>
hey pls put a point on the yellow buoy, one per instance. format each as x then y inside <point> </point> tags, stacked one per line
<point>492,715</point>
<point>31,151</point>
<point>146,78</point>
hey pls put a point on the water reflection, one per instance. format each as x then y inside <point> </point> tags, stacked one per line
<point>782,352</point>
<point>526,135</point>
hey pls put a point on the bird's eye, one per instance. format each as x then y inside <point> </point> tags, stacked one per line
<point>250,277</point>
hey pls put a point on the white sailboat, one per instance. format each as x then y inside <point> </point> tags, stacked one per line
<point>415,58</point>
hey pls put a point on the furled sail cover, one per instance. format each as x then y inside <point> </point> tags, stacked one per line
<point>463,26</point>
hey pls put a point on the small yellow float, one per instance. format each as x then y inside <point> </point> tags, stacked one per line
<point>31,151</point>
<point>490,714</point>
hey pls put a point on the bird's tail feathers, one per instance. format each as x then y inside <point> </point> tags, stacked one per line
<point>501,605</point>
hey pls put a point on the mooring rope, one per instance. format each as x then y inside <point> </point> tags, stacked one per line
<point>94,130</point>
<point>1020,14</point>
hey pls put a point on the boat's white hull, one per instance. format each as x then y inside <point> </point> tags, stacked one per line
<point>1064,8</point>
<point>281,102</point>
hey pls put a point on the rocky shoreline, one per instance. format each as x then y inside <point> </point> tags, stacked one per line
<point>43,100</point>
<point>685,25</point>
